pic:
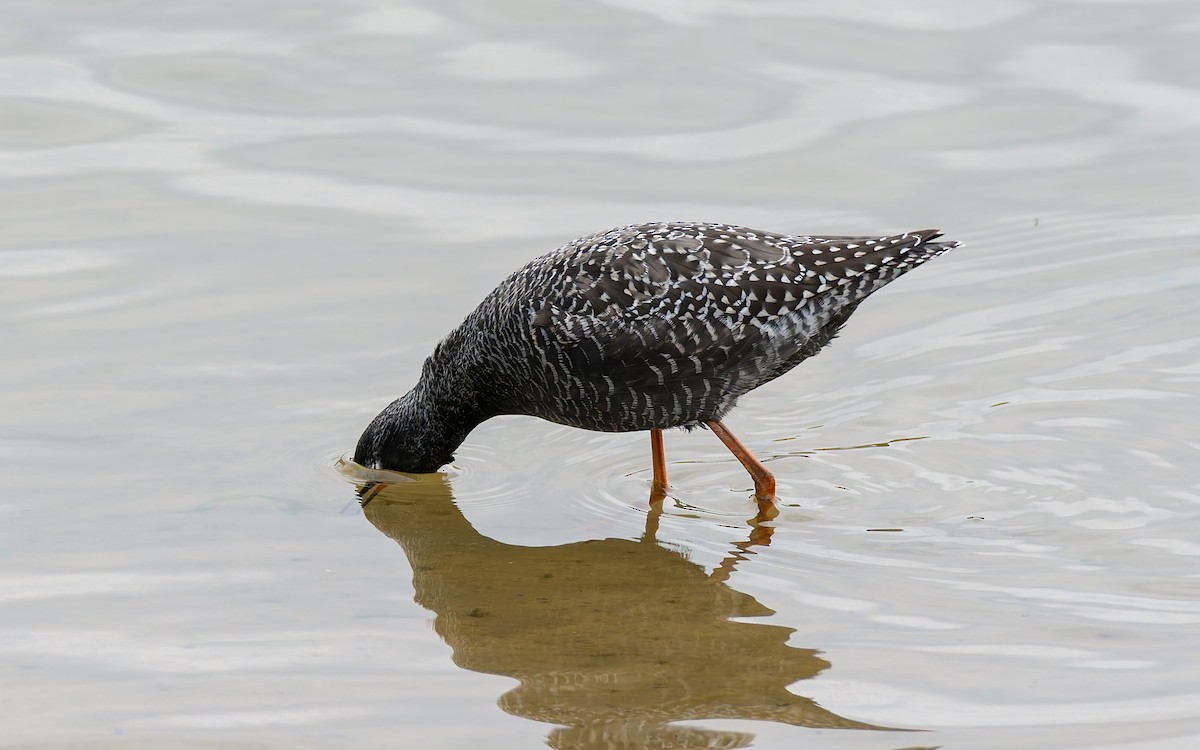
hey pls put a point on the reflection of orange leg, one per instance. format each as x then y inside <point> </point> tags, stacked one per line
<point>760,536</point>
<point>658,488</point>
<point>764,482</point>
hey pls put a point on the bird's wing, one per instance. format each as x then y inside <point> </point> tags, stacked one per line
<point>665,304</point>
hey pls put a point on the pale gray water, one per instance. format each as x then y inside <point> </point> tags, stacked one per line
<point>230,232</point>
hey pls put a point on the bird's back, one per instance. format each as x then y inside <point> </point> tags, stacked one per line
<point>666,325</point>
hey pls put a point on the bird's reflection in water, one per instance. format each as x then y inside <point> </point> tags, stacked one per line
<point>612,639</point>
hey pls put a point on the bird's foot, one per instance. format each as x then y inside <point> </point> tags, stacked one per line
<point>658,493</point>
<point>767,509</point>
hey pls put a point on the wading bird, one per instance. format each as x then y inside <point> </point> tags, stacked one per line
<point>644,327</point>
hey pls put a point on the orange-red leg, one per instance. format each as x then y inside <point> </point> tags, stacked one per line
<point>764,481</point>
<point>658,488</point>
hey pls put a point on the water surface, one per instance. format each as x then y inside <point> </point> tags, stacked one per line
<point>232,232</point>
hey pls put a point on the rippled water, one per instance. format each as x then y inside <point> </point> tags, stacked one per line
<point>232,232</point>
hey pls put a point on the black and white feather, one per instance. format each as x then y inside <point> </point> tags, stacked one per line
<point>640,327</point>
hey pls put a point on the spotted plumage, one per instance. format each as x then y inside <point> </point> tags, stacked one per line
<point>642,327</point>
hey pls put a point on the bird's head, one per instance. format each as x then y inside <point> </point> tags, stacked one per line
<point>403,437</point>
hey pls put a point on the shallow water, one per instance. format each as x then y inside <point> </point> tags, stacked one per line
<point>232,232</point>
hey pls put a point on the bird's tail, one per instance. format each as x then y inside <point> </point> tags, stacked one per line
<point>862,265</point>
